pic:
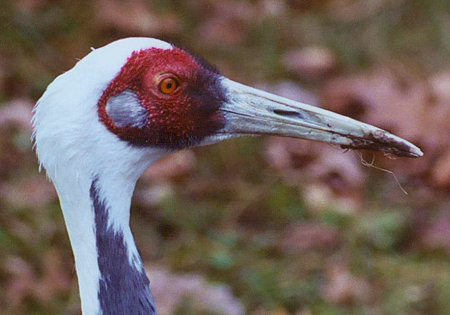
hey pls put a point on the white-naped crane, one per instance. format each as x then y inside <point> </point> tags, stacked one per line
<point>100,125</point>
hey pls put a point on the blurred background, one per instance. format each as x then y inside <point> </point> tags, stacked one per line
<point>253,225</point>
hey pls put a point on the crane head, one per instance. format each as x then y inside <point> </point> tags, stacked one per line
<point>163,98</point>
<point>167,97</point>
<point>141,94</point>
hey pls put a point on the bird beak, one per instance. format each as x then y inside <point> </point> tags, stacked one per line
<point>250,111</point>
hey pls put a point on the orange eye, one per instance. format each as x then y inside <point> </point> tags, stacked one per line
<point>168,85</point>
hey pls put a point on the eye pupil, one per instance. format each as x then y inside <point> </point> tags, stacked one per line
<point>168,85</point>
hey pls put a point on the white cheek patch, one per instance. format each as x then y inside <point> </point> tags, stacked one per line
<point>125,110</point>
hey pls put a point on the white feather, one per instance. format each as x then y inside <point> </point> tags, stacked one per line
<point>73,145</point>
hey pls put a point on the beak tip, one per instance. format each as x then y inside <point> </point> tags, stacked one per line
<point>396,145</point>
<point>380,140</point>
<point>415,152</point>
<point>405,148</point>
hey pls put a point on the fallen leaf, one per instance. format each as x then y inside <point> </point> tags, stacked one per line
<point>133,16</point>
<point>169,290</point>
<point>436,235</point>
<point>310,63</point>
<point>171,166</point>
<point>16,112</point>
<point>32,192</point>
<point>301,237</point>
<point>441,170</point>
<point>344,288</point>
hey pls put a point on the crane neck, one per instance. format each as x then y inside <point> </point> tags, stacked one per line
<point>111,274</point>
<point>123,286</point>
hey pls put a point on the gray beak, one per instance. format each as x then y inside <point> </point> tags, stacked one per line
<point>250,111</point>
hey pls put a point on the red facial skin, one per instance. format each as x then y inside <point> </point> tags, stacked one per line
<point>176,120</point>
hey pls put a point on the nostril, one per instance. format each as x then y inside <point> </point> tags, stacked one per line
<point>303,115</point>
<point>283,112</point>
